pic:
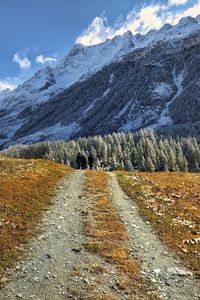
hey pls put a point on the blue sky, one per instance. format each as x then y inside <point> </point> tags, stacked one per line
<point>36,33</point>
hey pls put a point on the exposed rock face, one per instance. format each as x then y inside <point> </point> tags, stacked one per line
<point>123,84</point>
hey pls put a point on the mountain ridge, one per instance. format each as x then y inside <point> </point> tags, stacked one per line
<point>81,64</point>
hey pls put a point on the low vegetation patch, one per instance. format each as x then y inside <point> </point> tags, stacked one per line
<point>26,188</point>
<point>170,201</point>
<point>107,237</point>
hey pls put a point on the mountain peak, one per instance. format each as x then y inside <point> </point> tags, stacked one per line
<point>5,91</point>
<point>186,21</point>
<point>83,62</point>
<point>76,48</point>
<point>166,27</point>
<point>128,34</point>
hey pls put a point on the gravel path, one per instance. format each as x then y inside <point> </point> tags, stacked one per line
<point>56,266</point>
<point>158,263</point>
<point>46,272</point>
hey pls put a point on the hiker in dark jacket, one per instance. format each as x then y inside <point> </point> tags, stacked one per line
<point>91,161</point>
<point>84,162</point>
<point>79,161</point>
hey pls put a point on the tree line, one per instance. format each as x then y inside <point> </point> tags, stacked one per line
<point>144,150</point>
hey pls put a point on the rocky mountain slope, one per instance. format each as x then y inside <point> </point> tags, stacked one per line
<point>127,83</point>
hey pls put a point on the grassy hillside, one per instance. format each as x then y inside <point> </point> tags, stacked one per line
<point>170,201</point>
<point>26,188</point>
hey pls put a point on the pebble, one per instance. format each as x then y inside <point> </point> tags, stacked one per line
<point>4,280</point>
<point>77,250</point>
<point>157,271</point>
<point>135,226</point>
<point>179,272</point>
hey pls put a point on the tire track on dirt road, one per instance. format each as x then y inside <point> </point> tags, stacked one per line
<point>57,265</point>
<point>162,267</point>
<point>46,272</point>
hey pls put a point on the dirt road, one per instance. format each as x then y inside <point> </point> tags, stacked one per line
<point>53,254</point>
<point>58,267</point>
<point>158,263</point>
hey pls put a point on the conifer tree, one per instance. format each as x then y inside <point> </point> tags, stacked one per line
<point>142,151</point>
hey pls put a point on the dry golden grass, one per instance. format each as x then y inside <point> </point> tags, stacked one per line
<point>171,202</point>
<point>26,188</point>
<point>104,227</point>
<point>107,237</point>
<point>109,296</point>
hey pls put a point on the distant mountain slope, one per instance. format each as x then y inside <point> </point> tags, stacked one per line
<point>126,83</point>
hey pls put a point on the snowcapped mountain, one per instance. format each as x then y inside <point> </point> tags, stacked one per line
<point>4,94</point>
<point>184,28</point>
<point>81,62</point>
<point>90,82</point>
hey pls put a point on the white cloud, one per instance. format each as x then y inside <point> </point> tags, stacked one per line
<point>148,17</point>
<point>152,16</point>
<point>141,21</point>
<point>5,85</point>
<point>97,31</point>
<point>23,62</point>
<point>192,11</point>
<point>40,59</point>
<point>177,2</point>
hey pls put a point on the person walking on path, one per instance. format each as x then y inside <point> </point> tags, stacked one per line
<point>84,162</point>
<point>91,161</point>
<point>79,161</point>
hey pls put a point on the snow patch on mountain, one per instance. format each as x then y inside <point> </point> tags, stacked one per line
<point>111,78</point>
<point>142,119</point>
<point>106,93</point>
<point>55,132</point>
<point>165,118</point>
<point>178,80</point>
<point>162,90</point>
<point>128,126</point>
<point>90,106</point>
<point>124,109</point>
